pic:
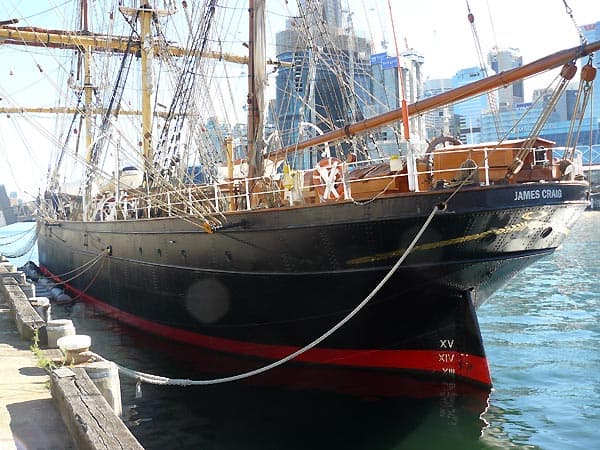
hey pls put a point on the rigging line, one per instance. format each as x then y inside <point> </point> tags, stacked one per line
<point>54,8</point>
<point>116,97</point>
<point>48,52</point>
<point>491,95</point>
<point>69,134</point>
<point>588,74</point>
<point>371,36</point>
<point>527,111</point>
<point>44,132</point>
<point>154,379</point>
<point>405,122</point>
<point>92,281</point>
<point>27,144</point>
<point>591,140</point>
<point>546,112</point>
<point>579,107</point>
<point>492,27</point>
<point>334,61</point>
<point>168,141</point>
<point>90,264</point>
<point>507,134</point>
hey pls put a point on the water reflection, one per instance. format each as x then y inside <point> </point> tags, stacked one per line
<point>360,410</point>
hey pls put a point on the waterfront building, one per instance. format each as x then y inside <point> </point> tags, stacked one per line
<point>469,112</point>
<point>442,121</point>
<point>501,60</point>
<point>327,84</point>
<point>517,122</point>
<point>386,89</point>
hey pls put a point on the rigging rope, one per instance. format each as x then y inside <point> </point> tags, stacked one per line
<point>590,145</point>
<point>491,95</point>
<point>588,73</point>
<point>171,133</point>
<point>566,74</point>
<point>84,268</point>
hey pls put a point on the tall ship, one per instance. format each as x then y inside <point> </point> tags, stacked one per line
<point>291,235</point>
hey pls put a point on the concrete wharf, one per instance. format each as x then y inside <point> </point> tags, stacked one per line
<point>29,417</point>
<point>60,409</point>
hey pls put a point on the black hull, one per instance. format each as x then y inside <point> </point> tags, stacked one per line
<point>272,281</point>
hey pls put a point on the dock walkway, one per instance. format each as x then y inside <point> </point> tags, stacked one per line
<point>29,418</point>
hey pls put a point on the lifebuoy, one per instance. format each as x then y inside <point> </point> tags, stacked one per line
<point>327,179</point>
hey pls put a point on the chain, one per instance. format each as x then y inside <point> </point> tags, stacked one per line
<point>569,11</point>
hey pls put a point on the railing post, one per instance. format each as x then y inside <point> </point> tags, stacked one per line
<point>216,197</point>
<point>486,166</point>
<point>247,194</point>
<point>411,169</point>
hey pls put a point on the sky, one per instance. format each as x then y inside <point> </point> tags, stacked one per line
<point>438,29</point>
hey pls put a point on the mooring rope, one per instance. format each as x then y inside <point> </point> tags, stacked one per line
<point>82,268</point>
<point>160,380</point>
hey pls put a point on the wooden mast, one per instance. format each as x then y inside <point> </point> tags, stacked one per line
<point>470,90</point>
<point>87,84</point>
<point>146,47</point>
<point>252,106</point>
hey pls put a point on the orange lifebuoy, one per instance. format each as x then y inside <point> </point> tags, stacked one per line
<point>327,179</point>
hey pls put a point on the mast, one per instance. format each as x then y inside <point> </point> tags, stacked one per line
<point>256,82</point>
<point>252,107</point>
<point>147,50</point>
<point>87,83</point>
<point>478,87</point>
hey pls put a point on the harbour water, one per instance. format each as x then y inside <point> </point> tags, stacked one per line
<point>542,336</point>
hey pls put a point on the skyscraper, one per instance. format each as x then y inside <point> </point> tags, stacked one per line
<point>388,89</point>
<point>501,60</point>
<point>331,11</point>
<point>441,121</point>
<point>327,85</point>
<point>470,111</point>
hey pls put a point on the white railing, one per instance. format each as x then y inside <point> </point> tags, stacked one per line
<point>238,194</point>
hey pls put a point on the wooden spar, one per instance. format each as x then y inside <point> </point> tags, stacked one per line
<point>73,110</point>
<point>96,42</point>
<point>470,90</point>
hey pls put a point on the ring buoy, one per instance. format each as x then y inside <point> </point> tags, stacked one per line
<point>327,179</point>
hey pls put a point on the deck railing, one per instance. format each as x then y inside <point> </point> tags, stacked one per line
<point>443,168</point>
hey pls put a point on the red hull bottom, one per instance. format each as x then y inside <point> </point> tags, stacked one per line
<point>382,372</point>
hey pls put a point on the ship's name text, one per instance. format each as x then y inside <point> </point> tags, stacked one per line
<point>534,194</point>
